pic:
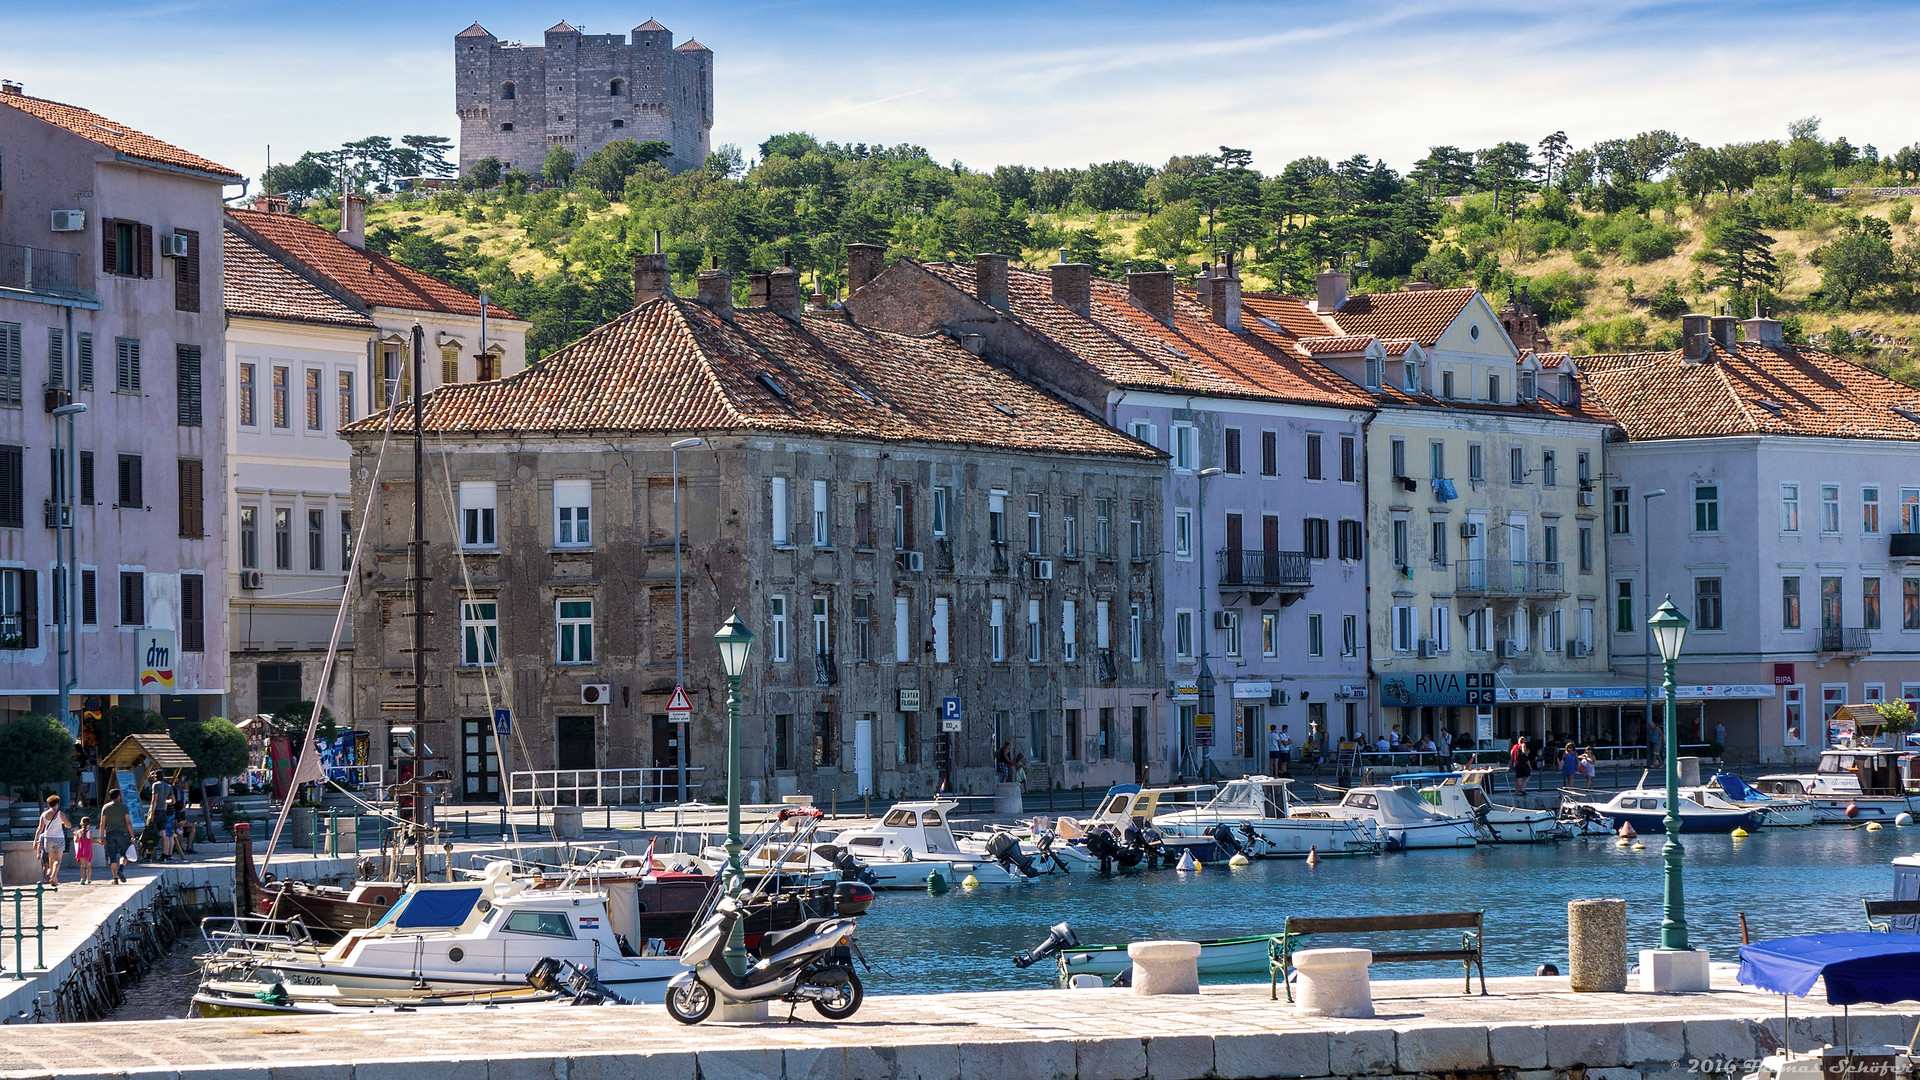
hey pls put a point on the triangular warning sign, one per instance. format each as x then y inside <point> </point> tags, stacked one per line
<point>679,702</point>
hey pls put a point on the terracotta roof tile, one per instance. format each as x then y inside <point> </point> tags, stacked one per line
<point>1341,343</point>
<point>372,278</point>
<point>692,45</point>
<point>650,24</point>
<point>258,286</point>
<point>1422,315</point>
<point>672,365</point>
<point>1291,314</point>
<point>1551,360</point>
<point>116,137</point>
<point>1750,390</point>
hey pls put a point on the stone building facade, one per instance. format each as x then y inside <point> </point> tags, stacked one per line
<point>581,91</point>
<point>866,501</point>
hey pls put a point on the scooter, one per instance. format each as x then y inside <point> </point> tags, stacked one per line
<point>809,962</point>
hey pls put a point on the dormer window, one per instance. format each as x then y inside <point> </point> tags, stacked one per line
<point>1446,385</point>
<point>1529,386</point>
<point>1566,389</point>
<point>1376,372</point>
<point>1413,377</point>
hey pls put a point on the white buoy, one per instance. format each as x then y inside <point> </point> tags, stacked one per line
<point>1186,863</point>
<point>1239,859</point>
<point>1313,856</point>
<point>1903,819</point>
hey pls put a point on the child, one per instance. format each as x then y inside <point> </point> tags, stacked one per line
<point>83,850</point>
<point>166,833</point>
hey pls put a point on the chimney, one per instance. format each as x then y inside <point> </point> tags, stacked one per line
<point>271,204</point>
<point>757,288</point>
<point>990,280</point>
<point>1696,333</point>
<point>650,279</point>
<point>1152,292</point>
<point>1225,301</point>
<point>1073,286</point>
<point>716,291</point>
<point>353,221</point>
<point>864,263</point>
<point>8,86</point>
<point>1421,285</point>
<point>783,291</point>
<point>1765,332</point>
<point>1723,330</point>
<point>1203,286</point>
<point>1331,289</point>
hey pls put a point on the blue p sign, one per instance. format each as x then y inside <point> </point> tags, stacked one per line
<point>950,708</point>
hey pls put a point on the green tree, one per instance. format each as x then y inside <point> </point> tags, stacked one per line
<point>218,747</point>
<point>1505,167</point>
<point>607,169</point>
<point>1668,303</point>
<point>35,752</point>
<point>558,168</point>
<point>431,151</point>
<point>1553,150</point>
<point>484,174</point>
<point>1805,158</point>
<point>292,720</point>
<point>1739,249</point>
<point>302,179</point>
<point>1855,263</point>
<point>119,721</point>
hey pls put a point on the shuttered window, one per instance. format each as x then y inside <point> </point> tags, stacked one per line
<point>132,495</point>
<point>29,606</point>
<point>193,513</point>
<point>13,494</point>
<point>86,478</point>
<point>126,365</point>
<point>186,274</point>
<point>89,598</point>
<point>83,359</point>
<point>193,613</point>
<point>56,357</point>
<point>133,598</point>
<point>187,386</point>
<point>126,248</point>
<point>10,364</point>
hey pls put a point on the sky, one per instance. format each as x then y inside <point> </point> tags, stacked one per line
<point>988,83</point>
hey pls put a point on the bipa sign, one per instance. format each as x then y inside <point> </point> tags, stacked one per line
<point>157,656</point>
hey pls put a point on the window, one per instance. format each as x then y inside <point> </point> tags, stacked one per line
<point>1439,541</point>
<point>1550,544</point>
<point>1476,463</point>
<point>1403,619</point>
<point>1436,459</point>
<point>317,540</point>
<point>1352,540</point>
<point>1910,509</point>
<point>1136,632</point>
<point>193,511</point>
<point>777,612</point>
<point>1070,527</point>
<point>346,540</point>
<point>449,364</point>
<point>942,642</point>
<point>1623,607</point>
<point>187,384</point>
<point>1789,507</point>
<point>1479,629</point>
<point>1102,527</point>
<point>1313,456</point>
<point>1349,459</point>
<point>246,397</point>
<point>313,399</point>
<point>132,493</point>
<point>1621,507</point>
<point>1706,508</point>
<point>1400,540</point>
<point>126,365</point>
<point>506,126</point>
<point>863,629</point>
<point>1830,603</point>
<point>902,518</point>
<point>782,740</point>
<point>1412,377</point>
<point>777,494</point>
<point>822,628</point>
<point>1232,439</point>
<point>193,613</point>
<point>1706,604</point>
<point>1910,604</point>
<point>1036,647</point>
<point>1832,697</point>
<point>1102,624</point>
<point>1376,372</point>
<point>1870,603</point>
<point>394,378</point>
<point>942,498</point>
<point>1183,635</point>
<point>282,538</point>
<point>1397,454</point>
<point>1870,510</point>
<point>1516,465</point>
<point>1074,735</point>
<point>1586,549</point>
<point>821,536</point>
<point>506,92</point>
<point>1830,508</point>
<point>1037,734</point>
<point>1269,453</point>
<point>10,369</point>
<point>479,633</point>
<point>126,248</point>
<point>1529,385</point>
<point>863,515</point>
<point>1549,469</point>
<point>478,504</point>
<point>902,630</point>
<point>1035,529</point>
<point>1136,530</point>
<point>1182,447</point>
<point>1350,633</point>
<point>1793,715</point>
<point>1231,632</point>
<point>997,630</point>
<point>1446,384</point>
<point>573,513</point>
<point>1183,534</point>
<point>1316,636</point>
<point>1143,431</point>
<point>84,355</point>
<point>249,538</point>
<point>997,518</point>
<point>133,598</point>
<point>19,609</point>
<point>575,620</point>
<point>1493,387</point>
<point>343,408</point>
<point>543,923</point>
<point>86,478</point>
<point>281,418</point>
<point>1269,633</point>
<point>1790,602</point>
<point>89,598</point>
<point>1314,537</point>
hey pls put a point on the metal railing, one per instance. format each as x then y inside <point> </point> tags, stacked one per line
<point>42,270</point>
<point>595,787</point>
<point>16,899</point>
<point>825,671</point>
<point>1835,639</point>
<point>1243,567</point>
<point>1904,545</point>
<point>1509,577</point>
<point>1000,565</point>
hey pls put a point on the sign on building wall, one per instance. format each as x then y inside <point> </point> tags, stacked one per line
<point>1186,690</point>
<point>1440,688</point>
<point>909,701</point>
<point>1248,688</point>
<point>156,661</point>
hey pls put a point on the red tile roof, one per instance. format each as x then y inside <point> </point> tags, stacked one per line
<point>256,285</point>
<point>368,276</point>
<point>116,137</point>
<point>1736,392</point>
<point>672,365</point>
<point>1422,315</point>
<point>650,24</point>
<point>1132,349</point>
<point>1292,315</point>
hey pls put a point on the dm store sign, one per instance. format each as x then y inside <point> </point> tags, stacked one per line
<point>157,656</point>
<point>1439,688</point>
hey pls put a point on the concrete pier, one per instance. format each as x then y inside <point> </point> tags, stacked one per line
<point>1527,1029</point>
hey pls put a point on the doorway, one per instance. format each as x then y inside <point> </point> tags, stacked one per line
<point>863,753</point>
<point>664,784</point>
<point>573,742</point>
<point>1139,744</point>
<point>479,762</point>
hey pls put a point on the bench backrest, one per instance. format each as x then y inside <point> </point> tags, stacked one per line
<point>1892,907</point>
<point>1360,924</point>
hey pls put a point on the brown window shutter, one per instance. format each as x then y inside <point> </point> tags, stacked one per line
<point>186,274</point>
<point>29,609</point>
<point>144,241</point>
<point>193,613</point>
<point>192,507</point>
<point>109,246</point>
<point>13,504</point>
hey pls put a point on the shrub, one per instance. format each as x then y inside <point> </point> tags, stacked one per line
<point>35,752</point>
<point>1586,260</point>
<point>1651,243</point>
<point>1668,303</point>
<point>1900,212</point>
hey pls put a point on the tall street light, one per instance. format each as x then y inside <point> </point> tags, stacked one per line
<point>1669,627</point>
<point>679,631</point>
<point>1206,673</point>
<point>1646,589</point>
<point>735,641</point>
<point>66,550</point>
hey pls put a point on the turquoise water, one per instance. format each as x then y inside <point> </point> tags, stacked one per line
<point>1786,881</point>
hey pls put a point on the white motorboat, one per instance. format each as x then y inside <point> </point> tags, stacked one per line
<point>1854,783</point>
<point>1265,805</point>
<point>1645,808</point>
<point>1404,820</point>
<point>915,838</point>
<point>1128,807</point>
<point>1464,794</point>
<point>1727,789</point>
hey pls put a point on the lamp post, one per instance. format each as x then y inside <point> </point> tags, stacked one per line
<point>1646,588</point>
<point>735,641</point>
<point>66,550</point>
<point>679,631</point>
<point>1669,627</point>
<point>1205,678</point>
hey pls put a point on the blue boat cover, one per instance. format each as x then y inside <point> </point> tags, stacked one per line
<point>1736,788</point>
<point>1877,968</point>
<point>434,908</point>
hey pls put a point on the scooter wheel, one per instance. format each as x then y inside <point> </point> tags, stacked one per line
<point>692,1003</point>
<point>846,1004</point>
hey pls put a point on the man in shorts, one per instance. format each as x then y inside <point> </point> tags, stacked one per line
<point>1273,750</point>
<point>116,832</point>
<point>1286,752</point>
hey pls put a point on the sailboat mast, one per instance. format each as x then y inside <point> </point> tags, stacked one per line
<point>420,817</point>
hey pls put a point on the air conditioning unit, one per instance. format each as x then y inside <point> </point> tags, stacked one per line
<point>1429,648</point>
<point>1469,530</point>
<point>1506,647</point>
<point>250,579</point>
<point>1576,648</point>
<point>1586,498</point>
<point>1278,697</point>
<point>595,693</point>
<point>1043,569</point>
<point>173,245</point>
<point>1223,620</point>
<point>913,561</point>
<point>69,221</point>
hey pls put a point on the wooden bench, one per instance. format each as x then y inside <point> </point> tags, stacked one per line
<point>1281,948</point>
<point>1881,913</point>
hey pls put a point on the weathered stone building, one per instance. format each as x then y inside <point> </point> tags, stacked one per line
<point>866,500</point>
<point>582,92</point>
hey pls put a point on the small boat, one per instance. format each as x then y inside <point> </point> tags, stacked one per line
<point>915,839</point>
<point>1404,820</point>
<point>1264,806</point>
<point>1646,810</point>
<point>550,983</point>
<point>1464,794</point>
<point>1854,783</point>
<point>1128,816</point>
<point>1727,789</point>
<point>1218,956</point>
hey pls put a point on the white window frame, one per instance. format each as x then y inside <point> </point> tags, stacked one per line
<point>942,505</point>
<point>1183,534</point>
<point>1069,632</point>
<point>902,630</point>
<point>1183,647</point>
<point>942,644</point>
<point>1036,631</point>
<point>1789,508</point>
<point>479,633</point>
<point>777,647</point>
<point>782,511</point>
<point>1440,627</point>
<point>1183,447</point>
<point>1870,522</point>
<point>573,633</point>
<point>1143,430</point>
<point>1102,624</point>
<point>822,515</point>
<point>573,513</point>
<point>1830,518</point>
<point>997,630</point>
<point>1402,628</point>
<point>1269,634</point>
<point>1231,633</point>
<point>1136,632</point>
<point>1793,712</point>
<point>1695,505</point>
<point>1349,636</point>
<point>479,514</point>
<point>1316,636</point>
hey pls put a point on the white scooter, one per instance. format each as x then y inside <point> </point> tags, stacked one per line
<point>809,962</point>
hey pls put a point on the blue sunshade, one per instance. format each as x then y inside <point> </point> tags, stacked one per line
<point>1876,968</point>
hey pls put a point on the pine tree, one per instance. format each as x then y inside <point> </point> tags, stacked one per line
<point>1743,253</point>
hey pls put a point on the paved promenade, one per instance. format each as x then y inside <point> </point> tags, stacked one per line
<point>1535,1028</point>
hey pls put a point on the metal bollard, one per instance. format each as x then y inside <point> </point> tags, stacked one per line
<point>19,936</point>
<point>467,816</point>
<point>503,820</point>
<point>40,926</point>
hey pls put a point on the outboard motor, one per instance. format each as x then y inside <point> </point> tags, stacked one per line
<point>851,868</point>
<point>1058,938</point>
<point>1005,850</point>
<point>1225,844</point>
<point>1101,845</point>
<point>1144,842</point>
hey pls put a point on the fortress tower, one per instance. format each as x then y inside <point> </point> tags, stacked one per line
<point>582,92</point>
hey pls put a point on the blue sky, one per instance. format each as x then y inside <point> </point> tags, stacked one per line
<point>991,83</point>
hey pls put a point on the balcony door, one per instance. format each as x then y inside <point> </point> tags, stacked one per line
<point>1270,547</point>
<point>1830,611</point>
<point>1233,567</point>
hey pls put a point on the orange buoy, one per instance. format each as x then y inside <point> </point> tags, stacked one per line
<point>1852,810</point>
<point>1626,830</point>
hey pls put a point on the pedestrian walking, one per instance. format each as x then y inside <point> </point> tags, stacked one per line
<point>1273,750</point>
<point>83,850</point>
<point>1522,765</point>
<point>51,837</point>
<point>116,832</point>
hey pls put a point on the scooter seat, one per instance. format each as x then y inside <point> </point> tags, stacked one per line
<point>773,942</point>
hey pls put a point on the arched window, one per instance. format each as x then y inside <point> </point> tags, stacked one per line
<point>506,92</point>
<point>614,88</point>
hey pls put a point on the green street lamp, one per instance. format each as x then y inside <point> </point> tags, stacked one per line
<point>1669,629</point>
<point>735,641</point>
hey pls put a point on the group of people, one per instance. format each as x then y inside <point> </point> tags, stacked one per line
<point>1524,757</point>
<point>168,834</point>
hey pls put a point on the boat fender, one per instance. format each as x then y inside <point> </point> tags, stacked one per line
<point>1638,846</point>
<point>906,854</point>
<point>1546,970</point>
<point>1874,826</point>
<point>1852,810</point>
<point>1239,859</point>
<point>1085,981</point>
<point>1623,842</point>
<point>1903,819</point>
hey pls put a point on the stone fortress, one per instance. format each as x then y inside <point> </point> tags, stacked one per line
<point>582,92</point>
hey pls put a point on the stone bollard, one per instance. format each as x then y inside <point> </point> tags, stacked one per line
<point>1006,799</point>
<point>20,864</point>
<point>567,823</point>
<point>1597,945</point>
<point>1165,967</point>
<point>1689,771</point>
<point>1333,982</point>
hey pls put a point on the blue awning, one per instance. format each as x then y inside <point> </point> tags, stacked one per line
<point>1876,968</point>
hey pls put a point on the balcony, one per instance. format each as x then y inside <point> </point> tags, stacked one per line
<point>1509,577</point>
<point>1107,672</point>
<point>1904,545</point>
<point>1843,641</point>
<point>1265,574</point>
<point>42,270</point>
<point>943,555</point>
<point>825,671</point>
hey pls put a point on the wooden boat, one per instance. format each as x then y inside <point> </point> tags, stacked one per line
<point>329,913</point>
<point>1218,956</point>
